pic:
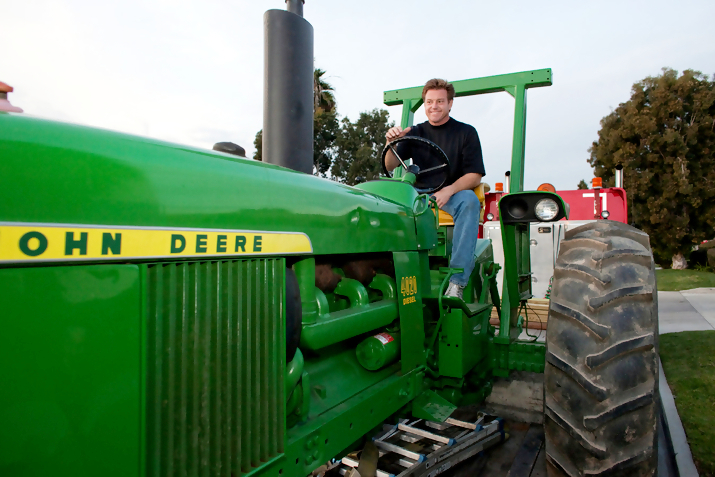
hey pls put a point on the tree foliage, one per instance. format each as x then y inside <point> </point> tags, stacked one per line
<point>582,185</point>
<point>325,131</point>
<point>323,92</point>
<point>359,146</point>
<point>258,144</point>
<point>325,124</point>
<point>664,137</point>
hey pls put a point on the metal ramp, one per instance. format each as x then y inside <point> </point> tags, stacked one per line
<point>419,447</point>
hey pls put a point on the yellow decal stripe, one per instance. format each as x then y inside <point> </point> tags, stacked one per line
<point>46,242</point>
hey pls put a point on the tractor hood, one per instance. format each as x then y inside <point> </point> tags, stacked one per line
<point>57,173</point>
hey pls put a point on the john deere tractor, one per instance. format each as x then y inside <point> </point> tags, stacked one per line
<point>168,310</point>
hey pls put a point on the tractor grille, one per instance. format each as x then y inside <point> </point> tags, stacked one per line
<point>215,365</point>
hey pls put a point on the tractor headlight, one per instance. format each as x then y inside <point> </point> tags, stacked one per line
<point>490,216</point>
<point>526,207</point>
<point>546,209</point>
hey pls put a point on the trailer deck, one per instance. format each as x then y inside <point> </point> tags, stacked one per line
<point>523,455</point>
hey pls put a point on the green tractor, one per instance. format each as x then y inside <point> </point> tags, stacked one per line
<point>175,311</point>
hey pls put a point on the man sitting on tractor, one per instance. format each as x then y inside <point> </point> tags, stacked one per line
<point>461,144</point>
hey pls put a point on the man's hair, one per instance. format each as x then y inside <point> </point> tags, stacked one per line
<point>437,83</point>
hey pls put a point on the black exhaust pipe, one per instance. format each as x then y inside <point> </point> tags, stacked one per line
<point>288,89</point>
<point>295,6</point>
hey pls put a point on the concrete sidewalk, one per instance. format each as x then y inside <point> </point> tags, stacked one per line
<point>687,310</point>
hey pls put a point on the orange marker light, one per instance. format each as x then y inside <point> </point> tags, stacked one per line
<point>499,187</point>
<point>596,183</point>
<point>546,187</point>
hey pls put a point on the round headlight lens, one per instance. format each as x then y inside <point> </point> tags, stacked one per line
<point>490,216</point>
<point>605,214</point>
<point>546,209</point>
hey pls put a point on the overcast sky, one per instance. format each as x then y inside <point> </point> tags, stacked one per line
<point>191,72</point>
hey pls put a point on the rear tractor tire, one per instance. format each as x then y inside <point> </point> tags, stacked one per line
<point>601,399</point>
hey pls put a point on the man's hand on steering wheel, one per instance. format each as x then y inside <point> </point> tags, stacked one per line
<point>443,161</point>
<point>395,132</point>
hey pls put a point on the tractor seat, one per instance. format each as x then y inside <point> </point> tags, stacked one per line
<point>480,190</point>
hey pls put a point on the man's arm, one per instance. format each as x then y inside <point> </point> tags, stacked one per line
<point>393,133</point>
<point>468,181</point>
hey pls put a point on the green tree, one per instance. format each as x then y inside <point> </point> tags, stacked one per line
<point>323,92</point>
<point>359,146</point>
<point>325,126</point>
<point>664,137</point>
<point>582,185</point>
<point>325,131</point>
<point>258,144</point>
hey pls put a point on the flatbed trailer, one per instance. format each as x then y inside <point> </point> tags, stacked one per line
<point>522,455</point>
<point>505,448</point>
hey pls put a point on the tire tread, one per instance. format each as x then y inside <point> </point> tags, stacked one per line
<point>596,328</point>
<point>638,343</point>
<point>594,422</point>
<point>600,393</point>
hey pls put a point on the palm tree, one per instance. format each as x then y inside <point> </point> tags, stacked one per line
<point>322,92</point>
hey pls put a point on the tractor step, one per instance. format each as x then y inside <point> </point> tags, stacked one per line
<point>419,447</point>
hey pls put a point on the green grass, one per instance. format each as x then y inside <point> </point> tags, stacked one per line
<point>676,280</point>
<point>689,365</point>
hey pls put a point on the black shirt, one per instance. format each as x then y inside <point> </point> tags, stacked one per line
<point>458,140</point>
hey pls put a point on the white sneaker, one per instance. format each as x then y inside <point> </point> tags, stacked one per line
<point>454,291</point>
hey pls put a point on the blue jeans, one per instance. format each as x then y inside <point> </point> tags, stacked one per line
<point>464,207</point>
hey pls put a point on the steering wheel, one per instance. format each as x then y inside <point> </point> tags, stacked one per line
<point>415,169</point>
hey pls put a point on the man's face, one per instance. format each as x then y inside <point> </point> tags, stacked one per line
<point>437,106</point>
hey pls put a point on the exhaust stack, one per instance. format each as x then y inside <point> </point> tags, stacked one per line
<point>619,175</point>
<point>288,88</point>
<point>295,6</point>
